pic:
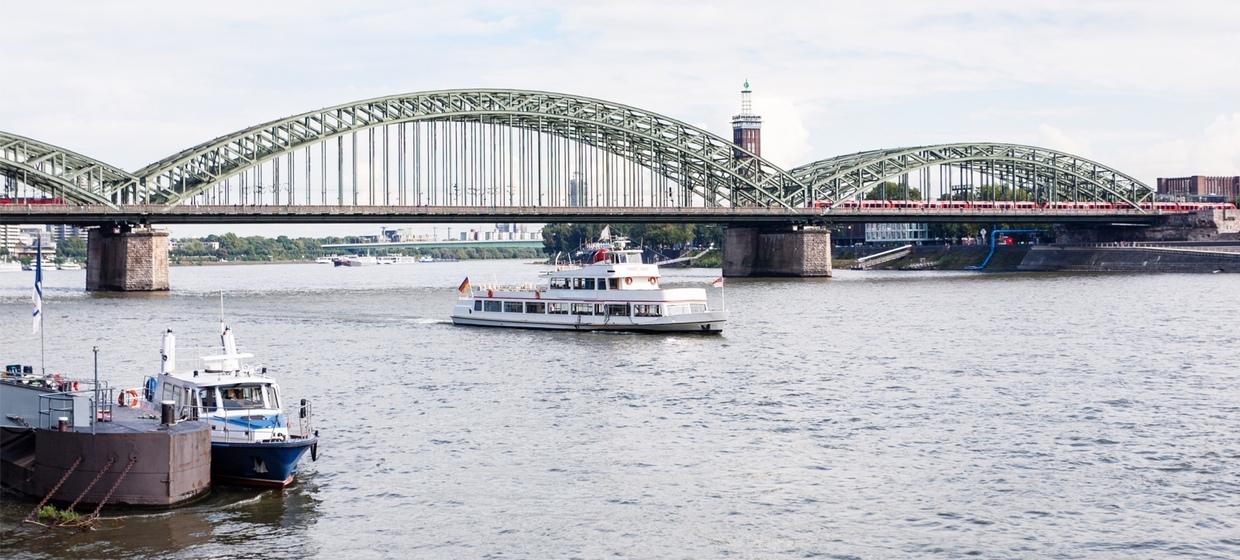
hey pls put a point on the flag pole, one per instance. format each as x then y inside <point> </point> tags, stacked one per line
<point>38,288</point>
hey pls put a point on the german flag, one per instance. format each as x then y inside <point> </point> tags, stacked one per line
<point>464,287</point>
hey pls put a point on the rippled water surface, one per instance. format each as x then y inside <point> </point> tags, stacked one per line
<point>873,415</point>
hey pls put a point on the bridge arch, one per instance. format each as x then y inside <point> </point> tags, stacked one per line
<point>714,170</point>
<point>57,172</point>
<point>1045,175</point>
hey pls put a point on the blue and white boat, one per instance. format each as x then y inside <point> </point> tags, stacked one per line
<point>253,442</point>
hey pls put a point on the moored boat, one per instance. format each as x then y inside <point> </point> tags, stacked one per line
<point>616,291</point>
<point>253,441</point>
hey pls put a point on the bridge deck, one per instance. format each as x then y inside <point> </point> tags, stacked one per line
<point>200,214</point>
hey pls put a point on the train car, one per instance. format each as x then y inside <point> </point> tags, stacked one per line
<point>30,200</point>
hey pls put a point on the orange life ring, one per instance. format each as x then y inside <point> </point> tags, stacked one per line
<point>628,281</point>
<point>75,385</point>
<point>653,280</point>
<point>128,398</point>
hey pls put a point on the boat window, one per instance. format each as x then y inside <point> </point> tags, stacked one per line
<point>272,400</point>
<point>238,397</point>
<point>477,305</point>
<point>583,309</point>
<point>492,305</point>
<point>677,309</point>
<point>617,309</point>
<point>602,283</point>
<point>698,307</point>
<point>559,283</point>
<point>557,309</point>
<point>535,307</point>
<point>646,310</point>
<point>206,398</point>
<point>579,283</point>
<point>512,307</point>
<point>589,284</point>
<point>613,283</point>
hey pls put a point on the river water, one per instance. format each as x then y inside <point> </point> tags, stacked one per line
<point>873,415</point>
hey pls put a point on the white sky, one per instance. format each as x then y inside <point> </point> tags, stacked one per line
<point>1149,87</point>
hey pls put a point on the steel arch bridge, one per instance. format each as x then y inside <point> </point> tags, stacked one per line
<point>491,128</point>
<point>1046,175</point>
<point>56,171</point>
<point>477,150</point>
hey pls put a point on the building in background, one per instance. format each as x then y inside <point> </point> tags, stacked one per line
<point>61,232</point>
<point>10,239</point>
<point>1196,187</point>
<point>897,233</point>
<point>747,127</point>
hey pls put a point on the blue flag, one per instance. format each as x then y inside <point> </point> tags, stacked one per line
<point>38,281</point>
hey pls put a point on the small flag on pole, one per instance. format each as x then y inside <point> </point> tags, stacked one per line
<point>605,235</point>
<point>38,283</point>
<point>464,287</point>
<point>717,283</point>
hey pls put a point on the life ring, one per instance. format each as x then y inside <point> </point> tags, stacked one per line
<point>75,385</point>
<point>653,280</point>
<point>128,398</point>
<point>628,281</point>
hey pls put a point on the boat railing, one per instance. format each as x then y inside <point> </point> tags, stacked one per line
<point>64,404</point>
<point>298,426</point>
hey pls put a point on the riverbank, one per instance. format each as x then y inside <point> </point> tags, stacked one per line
<point>1056,258</point>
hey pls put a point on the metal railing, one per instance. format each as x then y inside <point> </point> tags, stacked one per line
<point>53,406</point>
<point>299,425</point>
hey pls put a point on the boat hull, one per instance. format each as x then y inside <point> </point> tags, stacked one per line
<point>269,464</point>
<point>710,322</point>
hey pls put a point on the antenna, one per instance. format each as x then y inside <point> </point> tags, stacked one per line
<point>221,311</point>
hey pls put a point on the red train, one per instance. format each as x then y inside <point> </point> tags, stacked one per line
<point>1022,205</point>
<point>24,200</point>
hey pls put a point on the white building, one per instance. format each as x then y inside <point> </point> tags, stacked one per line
<point>897,233</point>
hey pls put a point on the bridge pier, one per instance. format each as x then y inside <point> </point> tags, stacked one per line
<point>784,251</point>
<point>125,259</point>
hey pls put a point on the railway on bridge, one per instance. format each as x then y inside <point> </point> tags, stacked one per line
<point>534,156</point>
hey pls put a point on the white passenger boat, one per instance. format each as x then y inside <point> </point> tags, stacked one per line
<point>616,291</point>
<point>68,265</point>
<point>360,260</point>
<point>396,259</point>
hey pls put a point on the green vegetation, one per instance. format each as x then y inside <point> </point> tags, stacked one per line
<point>50,514</point>
<point>71,248</point>
<point>255,248</point>
<point>570,237</point>
<point>890,190</point>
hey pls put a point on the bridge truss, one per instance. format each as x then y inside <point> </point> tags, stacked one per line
<point>55,172</point>
<point>970,171</point>
<point>467,147</point>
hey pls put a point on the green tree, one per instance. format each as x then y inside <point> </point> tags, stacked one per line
<point>71,248</point>
<point>890,190</point>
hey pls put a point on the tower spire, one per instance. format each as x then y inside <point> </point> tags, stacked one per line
<point>747,127</point>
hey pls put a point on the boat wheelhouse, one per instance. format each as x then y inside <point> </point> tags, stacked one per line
<point>253,441</point>
<point>616,291</point>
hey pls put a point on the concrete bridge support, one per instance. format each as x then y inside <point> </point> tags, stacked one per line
<point>782,251</point>
<point>122,259</point>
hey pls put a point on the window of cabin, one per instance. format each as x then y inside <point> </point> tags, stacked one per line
<point>535,307</point>
<point>602,283</point>
<point>492,305</point>
<point>617,309</point>
<point>477,305</point>
<point>646,310</point>
<point>677,309</point>
<point>579,283</point>
<point>613,283</point>
<point>589,284</point>
<point>241,397</point>
<point>559,283</point>
<point>583,309</point>
<point>557,309</point>
<point>207,398</point>
<point>512,307</point>
<point>698,307</point>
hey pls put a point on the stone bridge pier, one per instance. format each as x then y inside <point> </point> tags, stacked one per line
<point>800,251</point>
<point>126,259</point>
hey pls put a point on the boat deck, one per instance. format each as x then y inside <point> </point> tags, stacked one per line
<point>136,420</point>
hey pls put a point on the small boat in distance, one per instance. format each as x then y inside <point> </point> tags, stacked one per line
<point>616,291</point>
<point>396,259</point>
<point>252,441</point>
<point>68,265</point>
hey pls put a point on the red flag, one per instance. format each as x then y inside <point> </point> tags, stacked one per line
<point>464,287</point>
<point>717,283</point>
